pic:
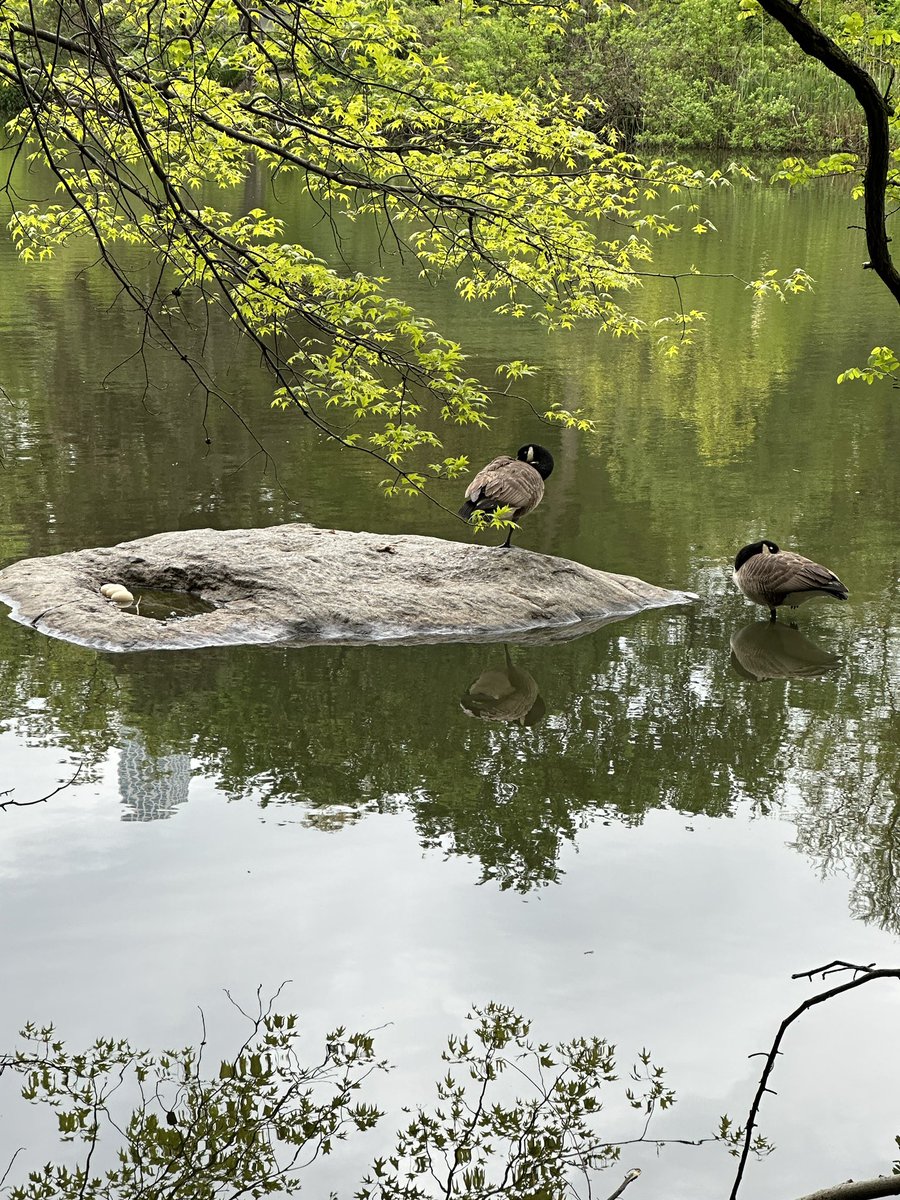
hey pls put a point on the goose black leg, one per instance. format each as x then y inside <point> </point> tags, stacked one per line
<point>772,617</point>
<point>507,545</point>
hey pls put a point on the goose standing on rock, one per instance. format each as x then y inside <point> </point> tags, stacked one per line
<point>516,483</point>
<point>772,577</point>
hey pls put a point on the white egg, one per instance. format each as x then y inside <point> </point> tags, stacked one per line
<point>122,596</point>
<point>108,589</point>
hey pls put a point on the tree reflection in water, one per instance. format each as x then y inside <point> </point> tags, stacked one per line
<point>643,714</point>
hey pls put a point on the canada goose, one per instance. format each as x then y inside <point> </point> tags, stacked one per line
<point>507,693</point>
<point>763,651</point>
<point>772,577</point>
<point>514,482</point>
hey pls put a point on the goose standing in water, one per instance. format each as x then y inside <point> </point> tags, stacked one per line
<point>517,483</point>
<point>772,577</point>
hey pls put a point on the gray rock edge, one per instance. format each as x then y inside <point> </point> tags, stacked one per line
<point>297,585</point>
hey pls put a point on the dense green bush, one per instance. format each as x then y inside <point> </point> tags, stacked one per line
<point>709,79</point>
<point>497,52</point>
<point>10,100</point>
<point>677,74</point>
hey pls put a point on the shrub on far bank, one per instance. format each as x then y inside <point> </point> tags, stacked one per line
<point>680,74</point>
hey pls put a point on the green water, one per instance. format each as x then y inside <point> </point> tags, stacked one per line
<point>661,838</point>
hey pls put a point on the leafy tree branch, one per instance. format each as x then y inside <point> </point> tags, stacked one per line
<point>515,1117</point>
<point>251,1127</point>
<point>138,115</point>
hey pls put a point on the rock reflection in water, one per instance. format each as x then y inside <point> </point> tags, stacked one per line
<point>508,693</point>
<point>772,650</point>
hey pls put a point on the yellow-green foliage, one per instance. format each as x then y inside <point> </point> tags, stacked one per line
<point>528,209</point>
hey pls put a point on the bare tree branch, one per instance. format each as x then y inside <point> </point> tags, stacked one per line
<point>5,1175</point>
<point>4,804</point>
<point>863,1189</point>
<point>862,976</point>
<point>629,1178</point>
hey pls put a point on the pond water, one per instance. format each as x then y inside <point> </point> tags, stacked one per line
<point>647,853</point>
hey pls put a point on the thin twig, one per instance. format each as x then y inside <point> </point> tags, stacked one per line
<point>5,1175</point>
<point>41,799</point>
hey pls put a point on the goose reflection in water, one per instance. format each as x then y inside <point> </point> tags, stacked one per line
<point>765,650</point>
<point>505,693</point>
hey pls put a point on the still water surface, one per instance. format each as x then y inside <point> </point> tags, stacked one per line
<point>647,852</point>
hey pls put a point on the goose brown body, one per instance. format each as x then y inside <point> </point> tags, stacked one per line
<point>772,577</point>
<point>514,483</point>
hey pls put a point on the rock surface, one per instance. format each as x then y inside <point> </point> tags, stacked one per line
<point>300,585</point>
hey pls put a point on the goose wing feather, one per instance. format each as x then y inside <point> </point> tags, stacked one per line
<point>790,572</point>
<point>506,481</point>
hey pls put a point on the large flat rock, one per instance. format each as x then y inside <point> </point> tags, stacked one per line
<point>306,586</point>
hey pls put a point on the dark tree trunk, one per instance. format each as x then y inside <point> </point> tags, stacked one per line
<point>814,42</point>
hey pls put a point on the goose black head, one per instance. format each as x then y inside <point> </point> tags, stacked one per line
<point>763,547</point>
<point>537,457</point>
